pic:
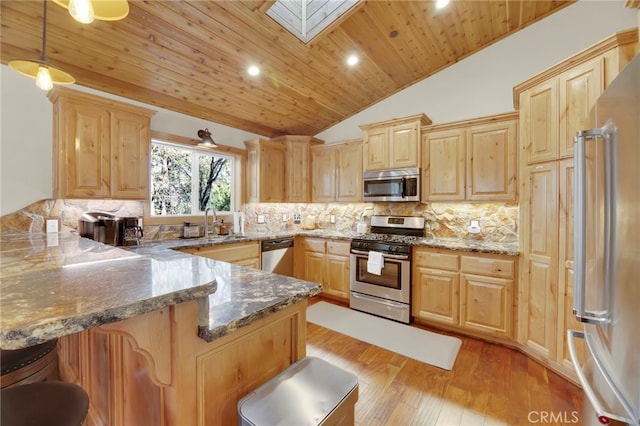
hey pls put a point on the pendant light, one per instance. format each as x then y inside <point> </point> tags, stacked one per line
<point>85,11</point>
<point>45,74</point>
<point>206,139</point>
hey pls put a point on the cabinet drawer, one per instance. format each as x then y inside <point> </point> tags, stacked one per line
<point>340,248</point>
<point>314,244</point>
<point>436,260</point>
<point>487,266</point>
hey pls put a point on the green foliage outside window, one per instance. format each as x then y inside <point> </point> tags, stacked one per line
<point>173,187</point>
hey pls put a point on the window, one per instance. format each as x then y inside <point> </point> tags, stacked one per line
<point>185,180</point>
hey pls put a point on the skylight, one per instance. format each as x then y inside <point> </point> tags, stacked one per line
<point>307,18</point>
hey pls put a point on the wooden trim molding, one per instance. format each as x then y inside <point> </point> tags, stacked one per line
<point>475,121</point>
<point>424,121</point>
<point>620,38</point>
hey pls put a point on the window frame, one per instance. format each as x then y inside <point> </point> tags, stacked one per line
<point>238,156</point>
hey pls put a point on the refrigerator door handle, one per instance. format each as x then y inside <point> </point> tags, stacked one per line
<point>580,230</point>
<point>604,417</point>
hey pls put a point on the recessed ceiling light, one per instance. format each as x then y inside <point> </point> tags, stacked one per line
<point>441,3</point>
<point>253,70</point>
<point>352,60</point>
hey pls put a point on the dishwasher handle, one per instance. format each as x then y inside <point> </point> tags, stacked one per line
<point>276,244</point>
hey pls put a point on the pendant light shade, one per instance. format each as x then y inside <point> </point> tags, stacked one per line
<point>45,74</point>
<point>86,11</point>
<point>206,139</point>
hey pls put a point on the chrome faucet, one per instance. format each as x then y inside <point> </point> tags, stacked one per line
<point>206,221</point>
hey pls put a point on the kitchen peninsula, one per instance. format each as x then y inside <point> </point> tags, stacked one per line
<point>154,336</point>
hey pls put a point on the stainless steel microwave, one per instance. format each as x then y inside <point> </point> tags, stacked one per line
<point>392,185</point>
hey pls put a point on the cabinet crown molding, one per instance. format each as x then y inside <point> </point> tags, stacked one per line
<point>64,92</point>
<point>424,121</point>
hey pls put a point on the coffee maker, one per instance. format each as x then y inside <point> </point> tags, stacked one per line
<point>132,230</point>
<point>110,229</point>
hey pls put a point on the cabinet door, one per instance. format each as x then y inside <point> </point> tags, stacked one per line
<point>337,276</point>
<point>272,172</point>
<point>404,145</point>
<point>376,149</point>
<point>83,167</point>
<point>349,173</point>
<point>579,90</point>
<point>297,171</point>
<point>566,318</point>
<point>130,146</point>
<point>539,236</point>
<point>491,171</point>
<point>436,295</point>
<point>539,123</point>
<point>314,267</point>
<point>443,165</point>
<point>486,304</point>
<point>323,174</point>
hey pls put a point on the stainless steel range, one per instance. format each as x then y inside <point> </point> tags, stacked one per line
<point>381,267</point>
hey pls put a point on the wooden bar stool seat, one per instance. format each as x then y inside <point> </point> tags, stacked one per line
<point>44,403</point>
<point>32,364</point>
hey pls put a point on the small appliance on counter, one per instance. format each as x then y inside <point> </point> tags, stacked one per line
<point>109,229</point>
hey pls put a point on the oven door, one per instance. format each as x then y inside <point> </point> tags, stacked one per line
<point>393,283</point>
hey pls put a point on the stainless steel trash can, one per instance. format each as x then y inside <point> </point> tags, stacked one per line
<point>310,391</point>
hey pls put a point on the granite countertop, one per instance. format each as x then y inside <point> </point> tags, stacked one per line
<point>509,248</point>
<point>58,284</point>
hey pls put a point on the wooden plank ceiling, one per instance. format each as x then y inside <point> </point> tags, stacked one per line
<point>191,56</point>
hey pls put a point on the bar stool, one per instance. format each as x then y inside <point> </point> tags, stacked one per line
<point>44,403</point>
<point>32,364</point>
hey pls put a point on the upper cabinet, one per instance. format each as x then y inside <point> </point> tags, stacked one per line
<point>266,162</point>
<point>336,172</point>
<point>474,160</point>
<point>298,167</point>
<point>558,102</point>
<point>393,144</point>
<point>279,170</point>
<point>101,147</point>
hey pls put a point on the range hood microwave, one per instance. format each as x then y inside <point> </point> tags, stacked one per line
<point>391,185</point>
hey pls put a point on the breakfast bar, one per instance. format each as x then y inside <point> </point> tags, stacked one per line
<point>153,335</point>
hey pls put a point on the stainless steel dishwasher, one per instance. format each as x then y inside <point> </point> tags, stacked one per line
<point>277,256</point>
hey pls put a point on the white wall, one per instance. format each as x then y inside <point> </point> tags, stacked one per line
<point>477,86</point>
<point>482,84</point>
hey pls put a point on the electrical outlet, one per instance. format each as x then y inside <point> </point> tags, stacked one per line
<point>297,218</point>
<point>332,218</point>
<point>260,218</point>
<point>52,225</point>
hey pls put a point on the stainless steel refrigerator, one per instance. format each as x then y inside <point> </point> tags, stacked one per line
<point>607,254</point>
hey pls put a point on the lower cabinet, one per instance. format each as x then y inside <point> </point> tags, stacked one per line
<point>243,254</point>
<point>326,262</point>
<point>471,291</point>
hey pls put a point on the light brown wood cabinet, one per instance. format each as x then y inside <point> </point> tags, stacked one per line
<point>101,147</point>
<point>473,292</point>
<point>474,160</point>
<point>265,176</point>
<point>325,262</point>
<point>298,167</point>
<point>336,172</point>
<point>554,105</point>
<point>244,254</point>
<point>393,144</point>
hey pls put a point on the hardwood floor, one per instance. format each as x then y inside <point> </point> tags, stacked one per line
<point>489,385</point>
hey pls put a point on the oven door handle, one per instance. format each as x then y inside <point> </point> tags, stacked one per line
<point>385,255</point>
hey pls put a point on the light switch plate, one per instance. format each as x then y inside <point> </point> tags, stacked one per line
<point>332,218</point>
<point>260,218</point>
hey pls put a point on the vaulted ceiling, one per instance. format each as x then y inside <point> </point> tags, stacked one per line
<point>191,56</point>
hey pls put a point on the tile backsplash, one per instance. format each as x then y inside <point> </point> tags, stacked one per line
<point>498,221</point>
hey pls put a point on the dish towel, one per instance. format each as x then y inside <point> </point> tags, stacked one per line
<point>375,263</point>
